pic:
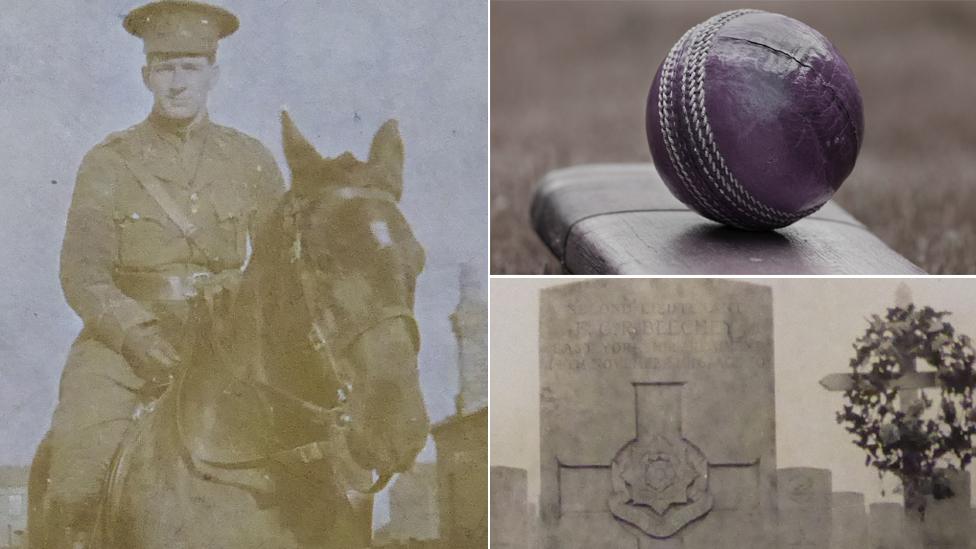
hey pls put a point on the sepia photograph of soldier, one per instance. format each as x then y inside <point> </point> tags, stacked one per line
<point>260,358</point>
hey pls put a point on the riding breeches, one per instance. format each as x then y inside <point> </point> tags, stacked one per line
<point>98,399</point>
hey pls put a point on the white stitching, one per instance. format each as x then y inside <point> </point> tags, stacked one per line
<point>666,114</point>
<point>706,151</point>
<point>713,165</point>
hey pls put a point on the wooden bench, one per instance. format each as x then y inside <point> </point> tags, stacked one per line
<point>621,219</point>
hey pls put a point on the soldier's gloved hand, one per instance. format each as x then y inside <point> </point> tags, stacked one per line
<point>149,354</point>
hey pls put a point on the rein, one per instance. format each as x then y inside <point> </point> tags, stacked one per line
<point>334,447</point>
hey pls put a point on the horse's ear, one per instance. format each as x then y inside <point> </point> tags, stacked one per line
<point>301,155</point>
<point>386,158</point>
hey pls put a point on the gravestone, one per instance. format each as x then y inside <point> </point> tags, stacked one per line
<point>803,499</point>
<point>946,524</point>
<point>509,508</point>
<point>887,527</point>
<point>848,521</point>
<point>657,415</point>
<point>972,529</point>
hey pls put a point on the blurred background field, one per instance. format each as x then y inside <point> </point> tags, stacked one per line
<point>569,83</point>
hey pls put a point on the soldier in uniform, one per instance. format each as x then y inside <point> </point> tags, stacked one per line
<point>161,212</point>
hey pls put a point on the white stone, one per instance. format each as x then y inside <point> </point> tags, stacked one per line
<point>804,508</point>
<point>849,521</point>
<point>510,518</point>
<point>657,415</point>
<point>887,527</point>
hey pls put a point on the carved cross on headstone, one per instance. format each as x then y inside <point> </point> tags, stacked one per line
<point>659,482</point>
<point>632,374</point>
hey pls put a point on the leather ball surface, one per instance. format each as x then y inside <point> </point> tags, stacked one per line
<point>754,119</point>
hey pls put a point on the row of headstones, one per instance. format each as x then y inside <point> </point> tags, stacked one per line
<point>811,516</point>
<point>513,523</point>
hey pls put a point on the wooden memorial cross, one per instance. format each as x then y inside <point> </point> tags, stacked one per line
<point>658,482</point>
<point>908,384</point>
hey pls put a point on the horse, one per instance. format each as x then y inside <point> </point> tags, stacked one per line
<point>301,396</point>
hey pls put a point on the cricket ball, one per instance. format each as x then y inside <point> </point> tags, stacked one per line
<point>754,120</point>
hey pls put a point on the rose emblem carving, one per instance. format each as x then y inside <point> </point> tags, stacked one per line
<point>659,485</point>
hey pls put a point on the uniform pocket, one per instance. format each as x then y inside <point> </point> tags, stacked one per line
<point>146,240</point>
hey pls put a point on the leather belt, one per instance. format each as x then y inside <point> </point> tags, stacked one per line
<point>147,286</point>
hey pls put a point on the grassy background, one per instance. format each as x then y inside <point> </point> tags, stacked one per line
<point>569,81</point>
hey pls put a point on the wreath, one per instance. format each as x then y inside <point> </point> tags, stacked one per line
<point>918,443</point>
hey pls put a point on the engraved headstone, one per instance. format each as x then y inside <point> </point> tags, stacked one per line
<point>657,415</point>
<point>946,524</point>
<point>804,508</point>
<point>509,508</point>
<point>849,521</point>
<point>887,527</point>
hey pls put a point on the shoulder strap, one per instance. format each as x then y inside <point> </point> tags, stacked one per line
<point>154,187</point>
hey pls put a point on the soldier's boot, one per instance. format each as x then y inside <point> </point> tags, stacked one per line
<point>76,496</point>
<point>93,413</point>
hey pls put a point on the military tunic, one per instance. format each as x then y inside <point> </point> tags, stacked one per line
<point>126,262</point>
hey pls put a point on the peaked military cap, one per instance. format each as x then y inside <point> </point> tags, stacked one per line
<point>180,26</point>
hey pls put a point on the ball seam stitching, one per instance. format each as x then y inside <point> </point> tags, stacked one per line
<point>667,114</point>
<point>709,159</point>
<point>713,164</point>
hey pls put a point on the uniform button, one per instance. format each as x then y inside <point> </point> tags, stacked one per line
<point>194,197</point>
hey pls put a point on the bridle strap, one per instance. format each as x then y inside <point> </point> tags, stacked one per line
<point>333,447</point>
<point>323,450</point>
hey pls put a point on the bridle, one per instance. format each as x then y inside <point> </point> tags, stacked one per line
<point>336,419</point>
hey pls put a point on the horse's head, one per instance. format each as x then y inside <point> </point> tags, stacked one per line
<point>357,262</point>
